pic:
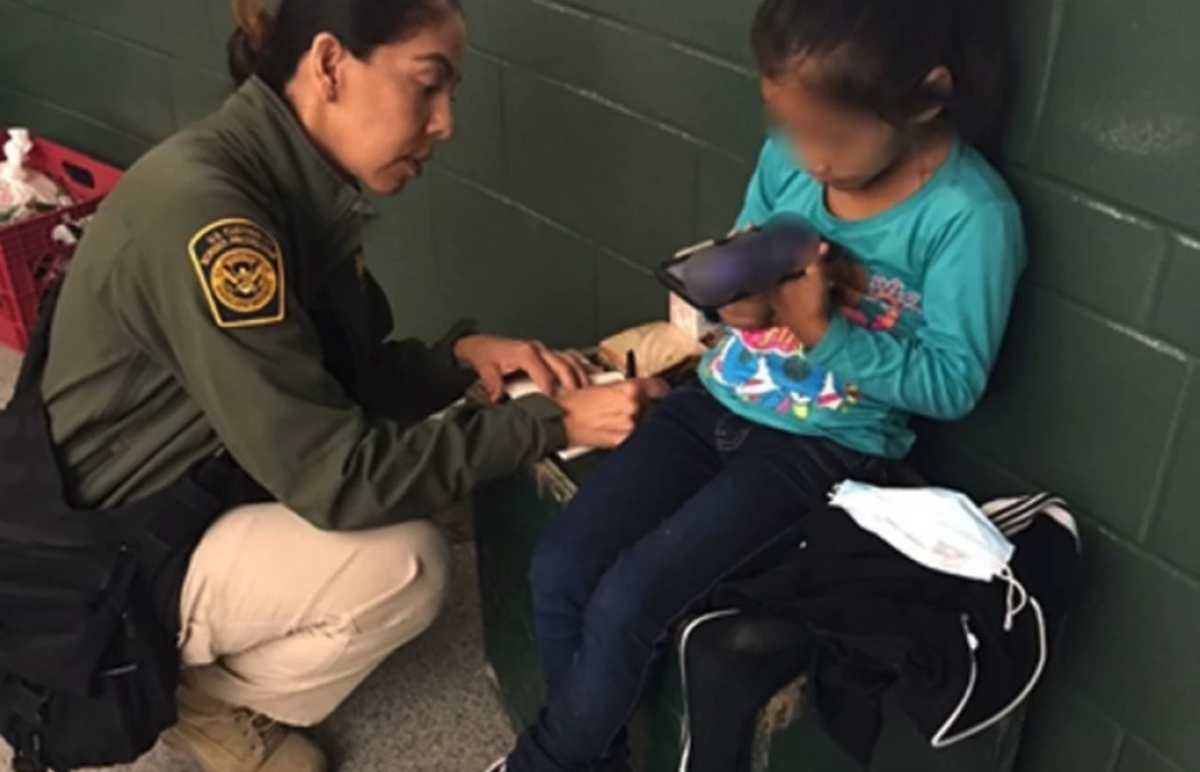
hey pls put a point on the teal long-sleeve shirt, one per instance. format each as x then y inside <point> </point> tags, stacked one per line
<point>931,288</point>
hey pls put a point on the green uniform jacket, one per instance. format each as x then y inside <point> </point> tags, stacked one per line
<point>196,316</point>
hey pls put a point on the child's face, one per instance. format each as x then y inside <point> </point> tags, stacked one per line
<point>843,148</point>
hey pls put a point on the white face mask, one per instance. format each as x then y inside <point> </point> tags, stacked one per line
<point>941,529</point>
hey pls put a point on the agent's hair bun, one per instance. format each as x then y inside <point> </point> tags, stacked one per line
<point>248,45</point>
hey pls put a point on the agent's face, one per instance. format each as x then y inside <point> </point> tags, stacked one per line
<point>387,113</point>
<point>843,148</point>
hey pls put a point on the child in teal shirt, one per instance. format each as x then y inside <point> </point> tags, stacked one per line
<point>917,329</point>
<point>884,111</point>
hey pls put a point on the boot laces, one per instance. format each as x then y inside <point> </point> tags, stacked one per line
<point>256,726</point>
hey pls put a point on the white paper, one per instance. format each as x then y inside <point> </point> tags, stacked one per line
<point>524,387</point>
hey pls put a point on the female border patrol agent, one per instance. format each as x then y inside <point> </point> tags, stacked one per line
<point>218,303</point>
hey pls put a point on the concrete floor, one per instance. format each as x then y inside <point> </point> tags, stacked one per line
<point>430,708</point>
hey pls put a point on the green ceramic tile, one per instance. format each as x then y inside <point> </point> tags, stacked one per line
<point>1175,533</point>
<point>620,182</point>
<point>723,182</point>
<point>714,102</point>
<point>621,10</point>
<point>476,14</point>
<point>27,37</point>
<point>509,518</point>
<point>553,40</point>
<point>1113,122</point>
<point>219,18</point>
<point>628,296</point>
<point>1177,314</point>
<point>516,274</point>
<point>34,60</point>
<point>1080,408</point>
<point>1132,647</point>
<point>195,93</point>
<point>720,27</point>
<point>1092,253</point>
<point>1035,25</point>
<point>645,73</point>
<point>178,27</point>
<point>717,28</point>
<point>477,148</point>
<point>1065,733</point>
<point>1137,756</point>
<point>101,142</point>
<point>400,254</point>
<point>945,459</point>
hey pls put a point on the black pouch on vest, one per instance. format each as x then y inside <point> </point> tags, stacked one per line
<point>88,672</point>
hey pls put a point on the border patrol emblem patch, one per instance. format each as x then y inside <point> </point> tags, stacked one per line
<point>240,266</point>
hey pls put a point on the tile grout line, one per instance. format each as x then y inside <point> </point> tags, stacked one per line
<point>1101,203</point>
<point>596,17</point>
<point>1170,453</point>
<point>1157,283</point>
<point>1118,746</point>
<point>1057,17</point>
<point>614,21</point>
<point>105,34</point>
<point>1106,531</point>
<point>598,98</point>
<point>531,212</point>
<point>73,113</point>
<point>1092,315</point>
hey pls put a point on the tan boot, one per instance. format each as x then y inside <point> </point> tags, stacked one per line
<point>222,738</point>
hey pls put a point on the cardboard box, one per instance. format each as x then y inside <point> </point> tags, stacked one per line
<point>691,321</point>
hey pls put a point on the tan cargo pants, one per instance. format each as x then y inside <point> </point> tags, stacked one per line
<point>287,620</point>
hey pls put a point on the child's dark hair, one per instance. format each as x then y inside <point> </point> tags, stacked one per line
<point>876,54</point>
<point>271,46</point>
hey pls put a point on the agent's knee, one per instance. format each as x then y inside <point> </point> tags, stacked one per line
<point>404,574</point>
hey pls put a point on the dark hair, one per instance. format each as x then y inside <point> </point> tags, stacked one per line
<point>271,46</point>
<point>876,54</point>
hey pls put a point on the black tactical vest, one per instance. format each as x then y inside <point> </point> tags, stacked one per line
<point>88,664</point>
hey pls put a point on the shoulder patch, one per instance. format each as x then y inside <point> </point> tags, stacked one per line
<point>240,267</point>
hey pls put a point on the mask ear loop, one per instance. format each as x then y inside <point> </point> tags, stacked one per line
<point>1016,599</point>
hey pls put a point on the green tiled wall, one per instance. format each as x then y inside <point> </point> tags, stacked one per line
<point>597,135</point>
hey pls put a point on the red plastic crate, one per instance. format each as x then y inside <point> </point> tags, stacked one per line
<point>31,261</point>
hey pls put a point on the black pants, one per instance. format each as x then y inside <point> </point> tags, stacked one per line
<point>733,665</point>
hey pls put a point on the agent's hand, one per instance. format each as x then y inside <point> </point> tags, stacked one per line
<point>752,313</point>
<point>493,358</point>
<point>604,416</point>
<point>802,305</point>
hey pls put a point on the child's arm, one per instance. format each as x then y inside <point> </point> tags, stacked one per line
<point>942,371</point>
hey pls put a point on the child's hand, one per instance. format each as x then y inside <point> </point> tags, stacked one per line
<point>802,305</point>
<point>749,314</point>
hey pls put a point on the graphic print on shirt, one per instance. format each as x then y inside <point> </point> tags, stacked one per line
<point>877,302</point>
<point>768,367</point>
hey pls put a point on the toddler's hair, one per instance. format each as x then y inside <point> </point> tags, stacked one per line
<point>876,54</point>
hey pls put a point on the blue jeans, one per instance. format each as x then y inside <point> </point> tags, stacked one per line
<point>696,496</point>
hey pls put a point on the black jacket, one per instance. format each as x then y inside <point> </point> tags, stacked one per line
<point>886,622</point>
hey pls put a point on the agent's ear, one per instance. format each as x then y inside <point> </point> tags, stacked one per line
<point>326,58</point>
<point>939,81</point>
